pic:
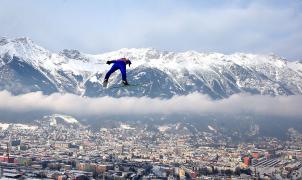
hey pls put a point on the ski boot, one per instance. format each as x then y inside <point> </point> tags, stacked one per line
<point>125,83</point>
<point>105,83</point>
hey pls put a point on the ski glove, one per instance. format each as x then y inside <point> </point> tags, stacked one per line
<point>129,62</point>
<point>108,62</point>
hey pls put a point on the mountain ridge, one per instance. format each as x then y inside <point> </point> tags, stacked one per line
<point>159,73</point>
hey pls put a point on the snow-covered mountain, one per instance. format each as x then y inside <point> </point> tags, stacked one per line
<point>27,67</point>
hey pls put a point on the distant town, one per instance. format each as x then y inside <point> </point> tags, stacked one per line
<point>66,149</point>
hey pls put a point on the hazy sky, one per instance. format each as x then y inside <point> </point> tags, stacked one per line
<point>96,26</point>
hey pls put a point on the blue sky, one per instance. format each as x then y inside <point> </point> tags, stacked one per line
<point>96,26</point>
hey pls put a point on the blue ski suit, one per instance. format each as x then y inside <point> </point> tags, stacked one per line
<point>118,64</point>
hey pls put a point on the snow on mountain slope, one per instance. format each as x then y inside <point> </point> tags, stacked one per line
<point>216,74</point>
<point>157,73</point>
<point>25,48</point>
<point>42,58</point>
<point>56,119</point>
<point>64,73</point>
<point>296,66</point>
<point>5,126</point>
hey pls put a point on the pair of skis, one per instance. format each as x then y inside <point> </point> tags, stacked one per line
<point>123,86</point>
<point>120,86</point>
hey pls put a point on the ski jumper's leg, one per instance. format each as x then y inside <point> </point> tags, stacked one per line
<point>123,71</point>
<point>113,68</point>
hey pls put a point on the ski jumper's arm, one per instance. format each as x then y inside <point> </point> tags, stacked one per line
<point>112,61</point>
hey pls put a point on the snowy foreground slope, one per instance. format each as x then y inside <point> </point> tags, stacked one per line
<point>27,67</point>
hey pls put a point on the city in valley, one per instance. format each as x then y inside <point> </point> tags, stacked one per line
<point>60,147</point>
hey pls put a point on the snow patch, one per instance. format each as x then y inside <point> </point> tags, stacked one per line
<point>5,126</point>
<point>211,128</point>
<point>66,118</point>
<point>163,128</point>
<point>126,126</point>
<point>93,79</point>
<point>177,126</point>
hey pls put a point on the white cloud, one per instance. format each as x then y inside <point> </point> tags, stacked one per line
<point>283,106</point>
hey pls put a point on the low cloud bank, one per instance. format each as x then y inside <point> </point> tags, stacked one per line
<point>195,103</point>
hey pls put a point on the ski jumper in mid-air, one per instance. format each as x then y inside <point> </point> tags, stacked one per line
<point>117,64</point>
